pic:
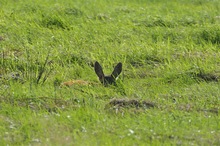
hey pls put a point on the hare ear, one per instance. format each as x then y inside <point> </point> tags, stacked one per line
<point>99,71</point>
<point>117,70</point>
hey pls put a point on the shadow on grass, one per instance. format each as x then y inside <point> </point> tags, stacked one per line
<point>202,76</point>
<point>196,74</point>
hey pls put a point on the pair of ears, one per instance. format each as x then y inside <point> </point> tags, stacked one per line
<point>99,71</point>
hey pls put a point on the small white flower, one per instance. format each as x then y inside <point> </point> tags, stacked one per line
<point>131,131</point>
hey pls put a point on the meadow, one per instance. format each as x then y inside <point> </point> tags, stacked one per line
<point>167,94</point>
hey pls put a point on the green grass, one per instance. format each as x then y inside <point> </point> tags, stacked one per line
<point>170,55</point>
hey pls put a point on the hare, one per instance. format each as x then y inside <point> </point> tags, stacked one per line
<point>110,79</point>
<point>105,80</point>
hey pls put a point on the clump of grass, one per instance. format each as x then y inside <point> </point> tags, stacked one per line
<point>40,70</point>
<point>53,22</point>
<point>210,35</point>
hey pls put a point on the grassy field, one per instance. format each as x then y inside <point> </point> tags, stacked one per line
<point>168,92</point>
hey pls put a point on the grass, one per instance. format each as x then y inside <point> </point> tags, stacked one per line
<point>171,61</point>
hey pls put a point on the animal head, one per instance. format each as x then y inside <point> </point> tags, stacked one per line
<point>110,79</point>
